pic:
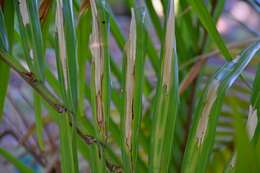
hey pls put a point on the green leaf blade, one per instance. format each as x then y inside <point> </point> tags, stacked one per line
<point>209,24</point>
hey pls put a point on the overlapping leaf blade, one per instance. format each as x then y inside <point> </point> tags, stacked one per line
<point>202,133</point>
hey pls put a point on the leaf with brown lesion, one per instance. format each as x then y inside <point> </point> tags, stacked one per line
<point>169,49</point>
<point>100,114</point>
<point>203,121</point>
<point>96,48</point>
<point>130,80</point>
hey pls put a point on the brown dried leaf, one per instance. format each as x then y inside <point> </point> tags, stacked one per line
<point>191,76</point>
<point>44,9</point>
<point>84,7</point>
